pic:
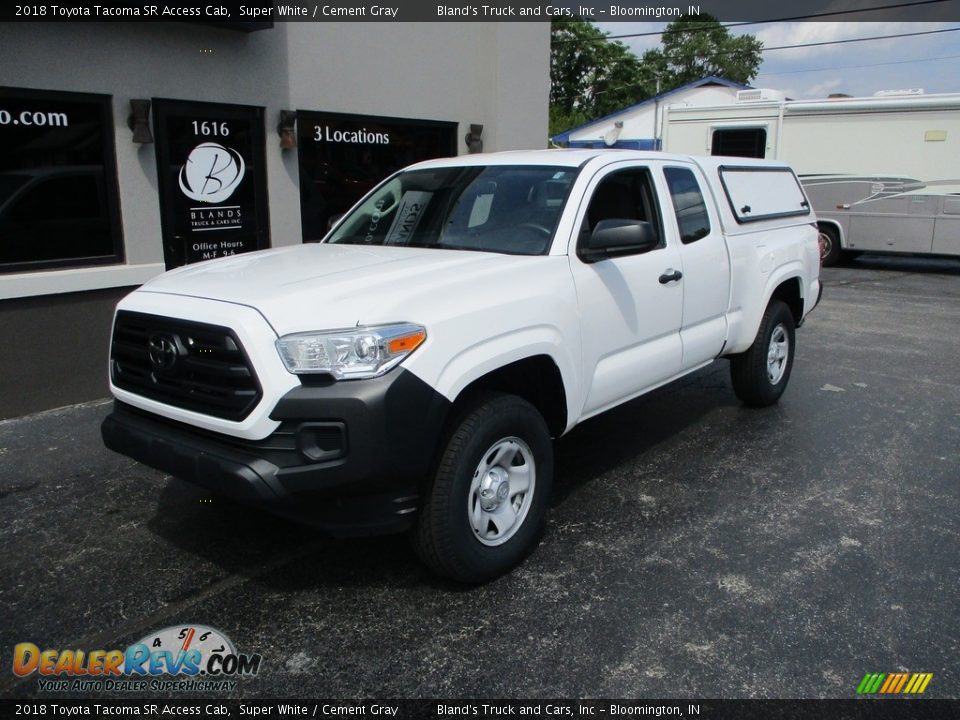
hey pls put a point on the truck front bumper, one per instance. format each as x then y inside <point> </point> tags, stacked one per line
<point>348,457</point>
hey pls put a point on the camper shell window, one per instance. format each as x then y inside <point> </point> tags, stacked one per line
<point>763,193</point>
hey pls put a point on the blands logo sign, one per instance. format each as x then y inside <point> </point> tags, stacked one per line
<point>211,173</point>
<point>894,683</point>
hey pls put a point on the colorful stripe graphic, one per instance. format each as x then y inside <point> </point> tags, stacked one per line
<point>894,683</point>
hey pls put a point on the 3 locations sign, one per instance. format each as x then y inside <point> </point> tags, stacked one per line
<point>210,158</point>
<point>342,157</point>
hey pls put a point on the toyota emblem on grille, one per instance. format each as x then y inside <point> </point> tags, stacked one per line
<point>163,352</point>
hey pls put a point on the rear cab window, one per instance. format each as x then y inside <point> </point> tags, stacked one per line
<point>693,220</point>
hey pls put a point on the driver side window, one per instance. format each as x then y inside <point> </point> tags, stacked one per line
<point>623,195</point>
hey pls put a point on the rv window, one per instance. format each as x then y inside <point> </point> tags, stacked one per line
<point>739,142</point>
<point>761,193</point>
<point>692,219</point>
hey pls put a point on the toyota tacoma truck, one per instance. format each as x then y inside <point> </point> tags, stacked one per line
<point>410,371</point>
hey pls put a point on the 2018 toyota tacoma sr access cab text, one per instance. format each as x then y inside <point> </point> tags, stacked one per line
<point>410,370</point>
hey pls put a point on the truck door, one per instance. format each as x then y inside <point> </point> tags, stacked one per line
<point>631,304</point>
<point>705,264</point>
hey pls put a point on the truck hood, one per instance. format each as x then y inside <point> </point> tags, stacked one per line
<point>319,286</point>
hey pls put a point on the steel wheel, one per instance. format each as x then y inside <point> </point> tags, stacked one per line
<point>485,510</point>
<point>760,373</point>
<point>777,353</point>
<point>501,491</point>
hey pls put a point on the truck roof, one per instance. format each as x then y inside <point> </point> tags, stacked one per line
<point>578,157</point>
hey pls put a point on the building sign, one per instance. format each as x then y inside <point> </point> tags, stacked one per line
<point>213,188</point>
<point>342,157</point>
<point>58,181</point>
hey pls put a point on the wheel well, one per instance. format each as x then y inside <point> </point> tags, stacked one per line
<point>536,379</point>
<point>789,292</point>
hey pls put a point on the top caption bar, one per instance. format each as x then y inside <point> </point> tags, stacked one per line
<point>256,14</point>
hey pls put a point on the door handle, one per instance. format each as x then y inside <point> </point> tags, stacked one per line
<point>670,275</point>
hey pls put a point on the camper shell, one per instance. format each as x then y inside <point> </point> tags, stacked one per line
<point>880,172</point>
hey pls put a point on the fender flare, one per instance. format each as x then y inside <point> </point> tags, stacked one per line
<point>750,320</point>
<point>491,354</point>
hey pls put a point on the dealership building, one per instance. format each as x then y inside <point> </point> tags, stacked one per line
<point>127,149</point>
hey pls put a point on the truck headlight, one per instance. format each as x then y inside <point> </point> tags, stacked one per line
<point>354,354</point>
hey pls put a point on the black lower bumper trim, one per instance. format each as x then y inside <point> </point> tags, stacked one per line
<point>389,428</point>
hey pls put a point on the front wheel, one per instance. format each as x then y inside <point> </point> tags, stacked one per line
<point>485,510</point>
<point>760,374</point>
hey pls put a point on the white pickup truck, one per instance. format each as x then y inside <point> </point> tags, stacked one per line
<point>410,370</point>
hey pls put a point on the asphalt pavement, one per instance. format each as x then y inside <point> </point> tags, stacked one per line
<point>695,548</point>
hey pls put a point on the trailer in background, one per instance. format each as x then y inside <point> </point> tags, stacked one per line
<point>882,173</point>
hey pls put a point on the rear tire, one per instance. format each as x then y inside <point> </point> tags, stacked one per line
<point>486,508</point>
<point>760,374</point>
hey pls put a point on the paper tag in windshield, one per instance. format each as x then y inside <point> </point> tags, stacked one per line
<point>408,216</point>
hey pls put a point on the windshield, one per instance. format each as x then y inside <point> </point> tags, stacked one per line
<point>499,208</point>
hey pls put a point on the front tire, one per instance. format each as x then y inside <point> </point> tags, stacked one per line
<point>486,508</point>
<point>760,374</point>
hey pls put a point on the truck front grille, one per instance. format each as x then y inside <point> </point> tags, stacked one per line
<point>191,365</point>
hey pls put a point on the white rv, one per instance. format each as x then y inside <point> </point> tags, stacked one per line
<point>882,173</point>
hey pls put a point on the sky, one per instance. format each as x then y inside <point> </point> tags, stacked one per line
<point>930,62</point>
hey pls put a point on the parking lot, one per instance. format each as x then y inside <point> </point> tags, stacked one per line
<point>695,548</point>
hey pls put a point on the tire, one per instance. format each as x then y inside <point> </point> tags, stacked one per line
<point>760,375</point>
<point>830,251</point>
<point>477,522</point>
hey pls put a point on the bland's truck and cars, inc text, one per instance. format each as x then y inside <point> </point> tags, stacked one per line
<point>409,371</point>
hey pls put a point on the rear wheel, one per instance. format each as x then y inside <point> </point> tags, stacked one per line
<point>760,374</point>
<point>485,510</point>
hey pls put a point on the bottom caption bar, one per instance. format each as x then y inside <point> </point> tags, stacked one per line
<point>893,708</point>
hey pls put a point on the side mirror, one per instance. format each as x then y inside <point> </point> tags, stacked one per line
<point>618,237</point>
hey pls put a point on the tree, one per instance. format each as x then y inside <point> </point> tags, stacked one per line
<point>591,76</point>
<point>561,119</point>
<point>695,47</point>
